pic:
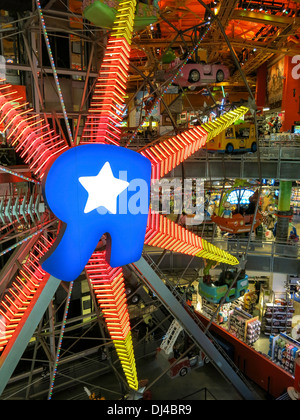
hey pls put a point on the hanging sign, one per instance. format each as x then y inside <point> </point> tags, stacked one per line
<point>97,189</point>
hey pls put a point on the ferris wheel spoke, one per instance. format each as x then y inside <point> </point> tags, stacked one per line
<point>109,289</point>
<point>54,72</point>
<point>163,233</point>
<point>167,154</point>
<point>28,134</point>
<point>103,124</point>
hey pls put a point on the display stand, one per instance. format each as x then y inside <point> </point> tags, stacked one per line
<point>284,351</point>
<point>295,201</point>
<point>238,322</point>
<point>277,316</point>
<point>243,326</point>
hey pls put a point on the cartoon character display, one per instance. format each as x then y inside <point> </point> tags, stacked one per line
<point>227,210</point>
<point>241,220</point>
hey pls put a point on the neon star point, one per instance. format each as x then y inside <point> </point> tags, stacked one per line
<point>103,189</point>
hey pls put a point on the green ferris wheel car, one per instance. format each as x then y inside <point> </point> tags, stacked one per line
<point>102,13</point>
<point>214,293</point>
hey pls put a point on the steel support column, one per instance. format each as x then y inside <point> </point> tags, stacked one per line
<point>284,213</point>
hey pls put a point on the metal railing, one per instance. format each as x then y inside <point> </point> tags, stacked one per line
<point>258,248</point>
<point>279,151</point>
<point>280,146</point>
<point>276,150</point>
<point>207,395</point>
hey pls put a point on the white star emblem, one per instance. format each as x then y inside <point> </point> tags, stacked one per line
<point>103,189</point>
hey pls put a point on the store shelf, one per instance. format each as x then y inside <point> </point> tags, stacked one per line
<point>234,319</point>
<point>244,326</point>
<point>276,312</point>
<point>284,351</point>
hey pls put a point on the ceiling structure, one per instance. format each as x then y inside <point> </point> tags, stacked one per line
<point>256,31</point>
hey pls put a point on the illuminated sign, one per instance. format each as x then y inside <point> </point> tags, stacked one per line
<point>97,189</point>
<point>240,196</point>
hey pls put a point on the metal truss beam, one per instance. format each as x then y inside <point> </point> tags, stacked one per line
<point>264,19</point>
<point>11,267</point>
<point>219,44</point>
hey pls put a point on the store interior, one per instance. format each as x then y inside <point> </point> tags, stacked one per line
<point>209,93</point>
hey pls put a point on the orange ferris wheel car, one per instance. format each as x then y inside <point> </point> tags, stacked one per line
<point>237,223</point>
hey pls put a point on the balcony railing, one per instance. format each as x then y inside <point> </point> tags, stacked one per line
<point>263,248</point>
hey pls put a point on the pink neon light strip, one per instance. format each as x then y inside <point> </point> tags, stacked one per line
<point>33,140</point>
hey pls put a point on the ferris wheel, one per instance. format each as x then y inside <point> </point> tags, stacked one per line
<point>29,281</point>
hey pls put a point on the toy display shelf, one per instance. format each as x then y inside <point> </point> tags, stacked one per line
<point>277,317</point>
<point>284,351</point>
<point>209,308</point>
<point>238,322</point>
<point>244,326</point>
<point>295,200</point>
